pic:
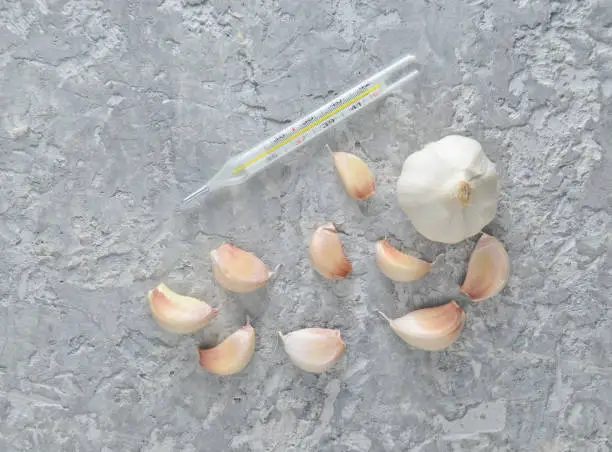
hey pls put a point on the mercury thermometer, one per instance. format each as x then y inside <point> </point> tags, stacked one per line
<point>242,167</point>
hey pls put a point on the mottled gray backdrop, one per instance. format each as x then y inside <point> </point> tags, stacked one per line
<point>112,111</point>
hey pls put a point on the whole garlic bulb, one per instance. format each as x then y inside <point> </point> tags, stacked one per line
<point>449,189</point>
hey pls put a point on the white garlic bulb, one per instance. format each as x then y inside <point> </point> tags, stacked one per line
<point>449,189</point>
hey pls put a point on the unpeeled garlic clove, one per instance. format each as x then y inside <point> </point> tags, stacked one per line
<point>178,313</point>
<point>327,255</point>
<point>488,269</point>
<point>238,270</point>
<point>355,175</point>
<point>399,266</point>
<point>232,355</point>
<point>430,328</point>
<point>314,349</point>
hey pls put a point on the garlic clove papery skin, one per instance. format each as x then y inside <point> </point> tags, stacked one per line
<point>238,270</point>
<point>430,328</point>
<point>399,266</point>
<point>488,269</point>
<point>178,313</point>
<point>355,175</point>
<point>314,349</point>
<point>449,189</point>
<point>232,355</point>
<point>327,254</point>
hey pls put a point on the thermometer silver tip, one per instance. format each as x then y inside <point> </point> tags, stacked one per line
<point>202,190</point>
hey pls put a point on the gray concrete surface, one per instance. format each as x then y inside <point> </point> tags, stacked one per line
<point>111,111</point>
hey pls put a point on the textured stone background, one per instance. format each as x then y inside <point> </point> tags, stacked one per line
<point>111,111</point>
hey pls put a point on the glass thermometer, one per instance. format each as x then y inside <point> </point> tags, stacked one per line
<point>241,167</point>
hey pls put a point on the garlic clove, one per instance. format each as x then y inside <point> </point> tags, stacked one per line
<point>430,328</point>
<point>314,349</point>
<point>355,175</point>
<point>178,313</point>
<point>232,355</point>
<point>399,266</point>
<point>238,270</point>
<point>327,255</point>
<point>488,269</point>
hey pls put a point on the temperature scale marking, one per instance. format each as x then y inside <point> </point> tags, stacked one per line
<point>305,129</point>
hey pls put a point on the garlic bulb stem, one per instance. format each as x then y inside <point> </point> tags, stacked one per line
<point>464,193</point>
